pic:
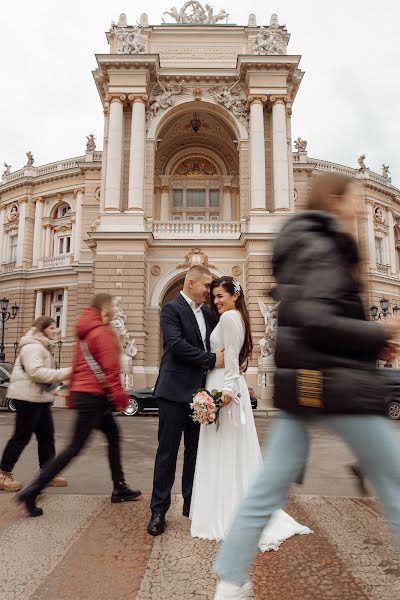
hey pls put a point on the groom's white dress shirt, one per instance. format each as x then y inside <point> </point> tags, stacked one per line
<point>198,313</point>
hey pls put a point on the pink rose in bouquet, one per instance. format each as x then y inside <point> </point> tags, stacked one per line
<point>206,406</point>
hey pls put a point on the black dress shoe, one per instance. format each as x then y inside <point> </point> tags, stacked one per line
<point>156,524</point>
<point>186,510</point>
<point>123,493</point>
<point>28,498</point>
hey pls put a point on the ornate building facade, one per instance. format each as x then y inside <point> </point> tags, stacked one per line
<point>197,167</point>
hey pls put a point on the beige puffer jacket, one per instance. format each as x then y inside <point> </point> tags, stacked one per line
<point>35,352</point>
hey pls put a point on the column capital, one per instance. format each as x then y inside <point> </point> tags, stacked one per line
<point>116,97</point>
<point>257,99</point>
<point>78,191</point>
<point>23,201</point>
<point>38,200</point>
<point>275,99</point>
<point>138,98</point>
<point>370,202</point>
<point>164,187</point>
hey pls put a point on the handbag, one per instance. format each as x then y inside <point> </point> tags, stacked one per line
<point>97,371</point>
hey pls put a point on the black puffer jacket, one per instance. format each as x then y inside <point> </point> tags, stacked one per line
<point>322,327</point>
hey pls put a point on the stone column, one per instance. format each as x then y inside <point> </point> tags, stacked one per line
<point>280,166</point>
<point>257,153</point>
<point>2,213</point>
<point>164,204</point>
<point>112,200</point>
<point>137,153</point>
<point>47,241</point>
<point>392,245</point>
<point>227,208</point>
<point>37,231</point>
<point>64,313</point>
<point>78,224</point>
<point>23,204</point>
<point>39,304</point>
<point>371,235</point>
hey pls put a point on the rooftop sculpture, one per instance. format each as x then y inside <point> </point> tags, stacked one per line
<point>198,14</point>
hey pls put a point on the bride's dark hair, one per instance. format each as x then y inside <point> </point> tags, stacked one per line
<point>230,285</point>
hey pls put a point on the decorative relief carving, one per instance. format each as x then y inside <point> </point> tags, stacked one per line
<point>198,15</point>
<point>13,212</point>
<point>236,271</point>
<point>270,314</point>
<point>196,167</point>
<point>379,214</point>
<point>233,98</point>
<point>162,97</point>
<point>155,270</point>
<point>300,145</point>
<point>198,53</point>
<point>195,257</point>
<point>270,40</point>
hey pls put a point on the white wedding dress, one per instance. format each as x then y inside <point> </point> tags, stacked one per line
<point>227,459</point>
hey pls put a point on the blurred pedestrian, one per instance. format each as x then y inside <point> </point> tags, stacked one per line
<point>326,355</point>
<point>95,391</point>
<point>31,389</point>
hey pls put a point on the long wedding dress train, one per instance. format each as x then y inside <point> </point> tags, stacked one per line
<point>227,459</point>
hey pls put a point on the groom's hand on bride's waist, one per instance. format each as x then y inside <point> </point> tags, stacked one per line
<point>219,359</point>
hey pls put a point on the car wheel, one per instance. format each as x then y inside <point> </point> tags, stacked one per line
<point>393,410</point>
<point>11,406</point>
<point>133,408</point>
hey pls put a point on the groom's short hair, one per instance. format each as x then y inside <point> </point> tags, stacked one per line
<point>196,271</point>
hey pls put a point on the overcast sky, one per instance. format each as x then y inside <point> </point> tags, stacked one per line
<point>347,104</point>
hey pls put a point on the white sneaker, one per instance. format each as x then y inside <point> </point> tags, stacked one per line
<point>230,591</point>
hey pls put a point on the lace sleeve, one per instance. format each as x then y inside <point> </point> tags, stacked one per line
<point>232,338</point>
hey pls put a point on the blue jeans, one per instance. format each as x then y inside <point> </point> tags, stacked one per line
<point>373,442</point>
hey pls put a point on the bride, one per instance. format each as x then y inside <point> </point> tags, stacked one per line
<point>227,458</point>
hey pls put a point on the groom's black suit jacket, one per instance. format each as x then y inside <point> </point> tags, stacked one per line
<point>185,362</point>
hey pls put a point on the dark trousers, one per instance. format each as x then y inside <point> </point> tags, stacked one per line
<point>174,419</point>
<point>31,417</point>
<point>94,412</point>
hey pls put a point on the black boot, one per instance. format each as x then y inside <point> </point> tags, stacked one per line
<point>123,493</point>
<point>28,497</point>
<point>156,524</point>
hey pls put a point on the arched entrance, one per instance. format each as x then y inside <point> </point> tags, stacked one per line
<point>172,291</point>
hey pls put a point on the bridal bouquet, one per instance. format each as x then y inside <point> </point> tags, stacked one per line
<point>206,406</point>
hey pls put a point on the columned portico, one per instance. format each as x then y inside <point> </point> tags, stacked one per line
<point>39,304</point>
<point>78,224</point>
<point>2,236</point>
<point>47,241</point>
<point>227,207</point>
<point>280,166</point>
<point>164,208</point>
<point>21,231</point>
<point>137,152</point>
<point>392,245</point>
<point>257,153</point>
<point>371,235</point>
<point>112,200</point>
<point>37,231</point>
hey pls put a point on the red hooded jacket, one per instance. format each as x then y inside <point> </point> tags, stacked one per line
<point>104,346</point>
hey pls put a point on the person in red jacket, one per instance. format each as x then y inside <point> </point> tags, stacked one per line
<point>93,400</point>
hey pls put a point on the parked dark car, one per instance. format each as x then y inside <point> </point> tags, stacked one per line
<point>392,399</point>
<point>5,372</point>
<point>143,400</point>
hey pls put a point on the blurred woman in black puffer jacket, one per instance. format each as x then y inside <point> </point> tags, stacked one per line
<point>326,355</point>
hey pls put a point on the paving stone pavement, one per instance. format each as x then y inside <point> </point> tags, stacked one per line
<point>85,548</point>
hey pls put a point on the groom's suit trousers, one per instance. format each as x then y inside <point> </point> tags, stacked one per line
<point>174,419</point>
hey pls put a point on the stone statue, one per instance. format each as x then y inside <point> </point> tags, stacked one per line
<point>233,98</point>
<point>122,22</point>
<point>267,343</point>
<point>199,15</point>
<point>162,97</point>
<point>361,162</point>
<point>7,170</point>
<point>131,42</point>
<point>300,145</point>
<point>274,21</point>
<point>385,171</point>
<point>268,41</point>
<point>30,158</point>
<point>144,20</point>
<point>91,143</point>
<point>119,325</point>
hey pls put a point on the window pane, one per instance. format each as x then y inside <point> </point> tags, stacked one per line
<point>177,217</point>
<point>61,246</point>
<point>13,248</point>
<point>214,198</point>
<point>68,244</point>
<point>177,196</point>
<point>196,198</point>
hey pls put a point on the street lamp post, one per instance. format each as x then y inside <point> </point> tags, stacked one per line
<point>383,314</point>
<point>15,344</point>
<point>59,346</point>
<point>5,316</point>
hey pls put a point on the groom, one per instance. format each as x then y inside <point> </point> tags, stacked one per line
<point>186,324</point>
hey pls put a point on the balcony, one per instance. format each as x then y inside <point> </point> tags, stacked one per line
<point>55,262</point>
<point>8,267</point>
<point>187,230</point>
